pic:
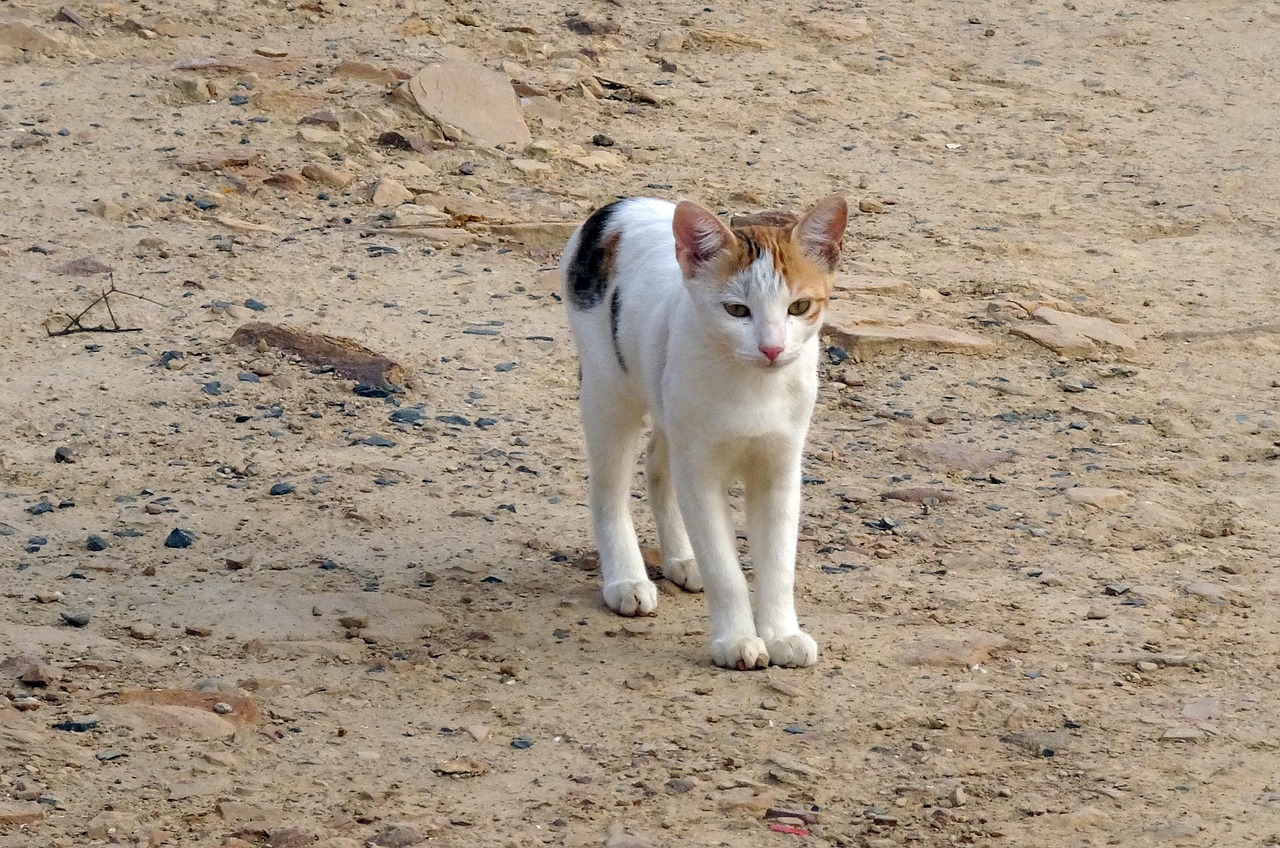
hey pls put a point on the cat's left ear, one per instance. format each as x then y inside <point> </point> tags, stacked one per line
<point>819,232</point>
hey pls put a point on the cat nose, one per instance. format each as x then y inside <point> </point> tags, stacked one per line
<point>770,351</point>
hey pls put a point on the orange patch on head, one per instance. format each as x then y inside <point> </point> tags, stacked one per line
<point>804,277</point>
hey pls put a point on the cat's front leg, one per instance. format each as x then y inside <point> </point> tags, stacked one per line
<point>704,504</point>
<point>773,517</point>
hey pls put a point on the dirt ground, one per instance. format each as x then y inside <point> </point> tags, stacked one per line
<point>1062,633</point>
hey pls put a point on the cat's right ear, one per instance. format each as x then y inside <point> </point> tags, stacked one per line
<point>700,236</point>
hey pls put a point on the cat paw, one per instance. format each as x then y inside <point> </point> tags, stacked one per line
<point>741,654</point>
<point>798,650</point>
<point>632,597</point>
<point>684,573</point>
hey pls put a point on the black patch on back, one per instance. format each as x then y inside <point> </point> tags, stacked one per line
<point>588,272</point>
<point>614,306</point>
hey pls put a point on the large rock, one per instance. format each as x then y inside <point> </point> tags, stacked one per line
<point>29,40</point>
<point>860,340</point>
<point>470,101</point>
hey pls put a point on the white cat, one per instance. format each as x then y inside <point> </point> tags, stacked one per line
<point>714,333</point>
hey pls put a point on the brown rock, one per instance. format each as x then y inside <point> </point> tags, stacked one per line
<point>217,160</point>
<point>348,358</point>
<point>354,69</point>
<point>471,101</point>
<point>328,175</point>
<point>85,266</point>
<point>195,89</point>
<point>670,40</point>
<point>290,179</point>
<point>259,65</point>
<point>593,26</point>
<point>324,118</point>
<point>873,207</point>
<point>30,670</point>
<point>860,340</point>
<point>113,826</point>
<point>290,837</point>
<point>387,192</point>
<point>20,812</point>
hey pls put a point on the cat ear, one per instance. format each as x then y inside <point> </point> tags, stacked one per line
<point>700,236</point>
<point>819,232</point>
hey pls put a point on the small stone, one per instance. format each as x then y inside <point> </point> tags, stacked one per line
<point>602,140</point>
<point>179,538</point>
<point>387,193</point>
<point>873,207</point>
<point>327,175</point>
<point>94,542</point>
<point>959,797</point>
<point>222,707</point>
<point>64,454</point>
<point>355,621</point>
<point>283,488</point>
<point>459,767</point>
<point>670,40</point>
<point>592,26</point>
<point>1097,613</point>
<point>40,508</point>
<point>938,416</point>
<point>197,631</point>
<point>75,618</point>
<point>290,179</point>
<point>681,785</point>
<point>862,340</point>
<point>143,632</point>
<point>1146,666</point>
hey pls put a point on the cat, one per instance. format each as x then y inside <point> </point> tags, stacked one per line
<point>712,331</point>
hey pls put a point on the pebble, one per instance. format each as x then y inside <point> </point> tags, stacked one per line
<point>180,538</point>
<point>94,542</point>
<point>1147,666</point>
<point>143,632</point>
<point>873,207</point>
<point>283,488</point>
<point>397,836</point>
<point>75,618</point>
<point>40,508</point>
<point>387,193</point>
<point>64,454</point>
<point>378,442</point>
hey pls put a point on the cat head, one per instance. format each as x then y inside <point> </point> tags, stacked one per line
<point>760,290</point>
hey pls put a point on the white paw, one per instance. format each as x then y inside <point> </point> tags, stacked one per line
<point>684,573</point>
<point>742,654</point>
<point>795,651</point>
<point>632,597</point>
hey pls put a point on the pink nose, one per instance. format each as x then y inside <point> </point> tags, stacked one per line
<point>770,352</point>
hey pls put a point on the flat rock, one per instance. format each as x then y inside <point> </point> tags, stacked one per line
<point>955,457</point>
<point>217,160</point>
<point>30,670</point>
<point>290,179</point>
<point>967,652</point>
<point>29,40</point>
<point>472,100</point>
<point>1079,335</point>
<point>20,812</point>
<point>183,722</point>
<point>851,29</point>
<point>286,102</point>
<point>860,340</point>
<point>541,235</point>
<point>355,69</point>
<point>1096,497</point>
<point>348,358</point>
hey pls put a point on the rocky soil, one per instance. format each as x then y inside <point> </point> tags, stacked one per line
<point>253,596</point>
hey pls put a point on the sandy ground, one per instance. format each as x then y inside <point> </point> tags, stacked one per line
<point>1068,637</point>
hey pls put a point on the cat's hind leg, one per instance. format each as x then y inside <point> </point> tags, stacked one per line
<point>678,563</point>
<point>612,420</point>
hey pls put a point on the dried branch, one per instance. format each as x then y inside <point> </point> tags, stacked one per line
<point>74,324</point>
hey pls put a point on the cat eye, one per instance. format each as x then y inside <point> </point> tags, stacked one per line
<point>799,307</point>
<point>737,310</point>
